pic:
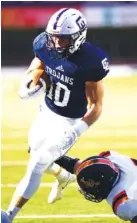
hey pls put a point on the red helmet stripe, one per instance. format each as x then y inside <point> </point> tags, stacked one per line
<point>105,153</point>
<point>96,161</point>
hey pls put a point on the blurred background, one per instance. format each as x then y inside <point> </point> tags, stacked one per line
<point>112,25</point>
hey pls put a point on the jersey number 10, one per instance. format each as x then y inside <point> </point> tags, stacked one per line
<point>56,95</point>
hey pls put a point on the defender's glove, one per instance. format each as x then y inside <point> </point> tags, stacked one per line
<point>26,92</point>
<point>71,135</point>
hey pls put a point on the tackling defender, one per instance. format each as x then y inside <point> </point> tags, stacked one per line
<point>111,176</point>
<point>75,69</point>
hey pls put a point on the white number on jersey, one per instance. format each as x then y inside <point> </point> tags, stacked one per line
<point>59,87</point>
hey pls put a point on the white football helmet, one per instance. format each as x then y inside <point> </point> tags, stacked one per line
<point>67,23</point>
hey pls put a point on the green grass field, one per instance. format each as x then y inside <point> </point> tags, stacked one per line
<point>115,130</point>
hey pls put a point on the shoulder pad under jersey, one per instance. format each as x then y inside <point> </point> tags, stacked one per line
<point>39,41</point>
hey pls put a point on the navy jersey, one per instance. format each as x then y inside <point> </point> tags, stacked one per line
<point>66,95</point>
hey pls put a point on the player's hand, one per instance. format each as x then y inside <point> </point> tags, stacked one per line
<point>26,91</point>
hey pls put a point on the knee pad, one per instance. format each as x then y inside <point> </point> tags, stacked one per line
<point>39,162</point>
<point>43,157</point>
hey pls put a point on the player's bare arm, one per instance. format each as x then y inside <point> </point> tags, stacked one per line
<point>35,80</point>
<point>94,94</point>
<point>35,70</point>
<point>35,64</point>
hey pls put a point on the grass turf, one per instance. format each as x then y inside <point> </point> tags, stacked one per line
<point>115,130</point>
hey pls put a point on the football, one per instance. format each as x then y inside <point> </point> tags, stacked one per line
<point>40,77</point>
<point>35,84</point>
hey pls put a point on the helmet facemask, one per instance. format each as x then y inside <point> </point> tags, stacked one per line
<point>90,197</point>
<point>56,52</point>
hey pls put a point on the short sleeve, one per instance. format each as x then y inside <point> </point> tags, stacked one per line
<point>38,44</point>
<point>99,68</point>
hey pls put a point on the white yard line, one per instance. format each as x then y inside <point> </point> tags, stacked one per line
<point>88,145</point>
<point>67,216</point>
<point>41,185</point>
<point>14,163</point>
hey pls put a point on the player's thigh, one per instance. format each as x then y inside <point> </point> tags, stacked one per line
<point>43,157</point>
<point>39,161</point>
<point>49,129</point>
<point>45,151</point>
<point>39,131</point>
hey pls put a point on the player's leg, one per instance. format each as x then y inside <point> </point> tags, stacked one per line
<point>4,217</point>
<point>58,172</point>
<point>61,174</point>
<point>57,125</point>
<point>39,161</point>
<point>63,178</point>
<point>68,165</point>
<point>48,119</point>
<point>30,182</point>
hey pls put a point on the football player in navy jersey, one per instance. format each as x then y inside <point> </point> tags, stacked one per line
<point>109,175</point>
<point>75,69</point>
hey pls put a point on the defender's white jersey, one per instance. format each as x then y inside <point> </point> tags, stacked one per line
<point>123,197</point>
